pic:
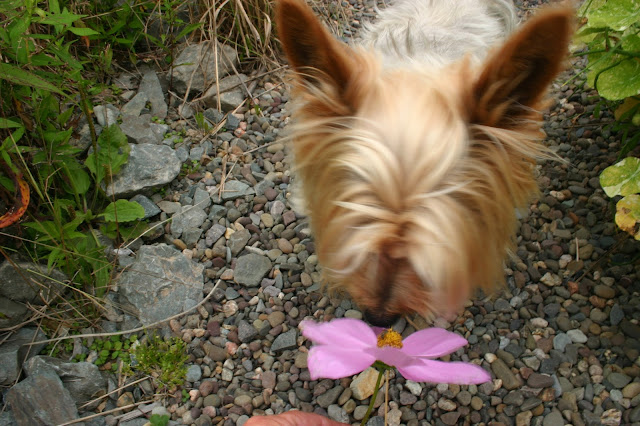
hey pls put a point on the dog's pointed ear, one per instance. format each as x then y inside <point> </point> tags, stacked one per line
<point>314,54</point>
<point>516,77</point>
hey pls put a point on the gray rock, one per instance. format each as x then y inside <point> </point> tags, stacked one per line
<point>195,66</point>
<point>616,315</point>
<point>231,294</point>
<point>83,380</point>
<point>554,418</point>
<point>329,397</point>
<point>238,240</point>
<point>41,399</point>
<point>560,341</point>
<point>149,167</point>
<point>24,283</point>
<point>214,234</point>
<point>503,372</point>
<point>13,313</point>
<point>618,380</point>
<point>201,198</point>
<point>14,352</point>
<point>160,283</point>
<point>7,419</point>
<point>577,336</point>
<point>234,189</point>
<point>141,130</point>
<point>250,269</point>
<point>150,86</point>
<point>337,413</point>
<point>231,92</point>
<point>150,208</point>
<point>106,115</point>
<point>135,106</point>
<point>187,218</point>
<point>194,373</point>
<point>287,340</point>
<point>246,332</point>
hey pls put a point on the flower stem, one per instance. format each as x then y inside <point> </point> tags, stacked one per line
<point>381,371</point>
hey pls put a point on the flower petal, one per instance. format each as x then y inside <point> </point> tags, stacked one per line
<point>427,370</point>
<point>342,333</point>
<point>432,343</point>
<point>331,362</point>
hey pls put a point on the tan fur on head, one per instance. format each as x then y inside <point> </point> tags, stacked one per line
<point>411,174</point>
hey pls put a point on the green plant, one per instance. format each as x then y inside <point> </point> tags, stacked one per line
<point>623,179</point>
<point>164,360</point>
<point>159,420</point>
<point>44,91</point>
<point>611,32</point>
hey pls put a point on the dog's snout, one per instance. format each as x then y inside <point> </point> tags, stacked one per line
<point>380,319</point>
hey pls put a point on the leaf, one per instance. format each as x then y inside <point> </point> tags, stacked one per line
<point>616,77</point>
<point>615,14</point>
<point>64,18</point>
<point>20,207</point>
<point>5,123</point>
<point>628,215</point>
<point>19,76</point>
<point>113,152</point>
<point>622,178</point>
<point>123,211</point>
<point>79,31</point>
<point>626,107</point>
<point>189,29</point>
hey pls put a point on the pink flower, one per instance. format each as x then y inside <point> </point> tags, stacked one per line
<point>344,347</point>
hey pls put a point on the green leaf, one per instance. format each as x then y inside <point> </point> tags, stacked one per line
<point>622,178</point>
<point>616,77</point>
<point>113,152</point>
<point>79,180</point>
<point>64,18</point>
<point>79,31</point>
<point>123,211</point>
<point>5,123</point>
<point>188,29</point>
<point>615,14</point>
<point>628,215</point>
<point>19,76</point>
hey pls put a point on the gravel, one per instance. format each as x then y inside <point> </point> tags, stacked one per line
<point>561,339</point>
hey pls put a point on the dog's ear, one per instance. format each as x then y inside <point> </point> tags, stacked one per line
<point>315,55</point>
<point>516,76</point>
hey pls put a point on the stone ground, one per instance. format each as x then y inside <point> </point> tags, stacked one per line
<point>561,340</point>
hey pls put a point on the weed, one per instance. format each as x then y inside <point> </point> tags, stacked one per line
<point>164,360</point>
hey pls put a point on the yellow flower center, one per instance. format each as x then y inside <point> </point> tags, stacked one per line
<point>391,338</point>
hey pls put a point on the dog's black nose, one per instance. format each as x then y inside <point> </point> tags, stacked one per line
<point>380,319</point>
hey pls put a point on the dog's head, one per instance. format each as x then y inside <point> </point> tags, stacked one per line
<point>411,176</point>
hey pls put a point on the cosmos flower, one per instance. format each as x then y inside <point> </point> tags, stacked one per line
<point>344,347</point>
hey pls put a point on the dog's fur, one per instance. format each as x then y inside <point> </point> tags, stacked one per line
<point>415,148</point>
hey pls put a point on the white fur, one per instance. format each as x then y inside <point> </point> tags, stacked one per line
<point>438,32</point>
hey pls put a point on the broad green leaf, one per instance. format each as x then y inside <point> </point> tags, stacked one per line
<point>123,211</point>
<point>79,180</point>
<point>64,18</point>
<point>616,77</point>
<point>113,152</point>
<point>622,178</point>
<point>19,76</point>
<point>628,215</point>
<point>47,230</point>
<point>5,123</point>
<point>615,14</point>
<point>79,31</point>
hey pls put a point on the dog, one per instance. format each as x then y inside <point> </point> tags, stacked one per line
<point>416,147</point>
